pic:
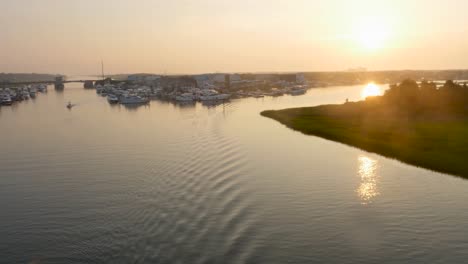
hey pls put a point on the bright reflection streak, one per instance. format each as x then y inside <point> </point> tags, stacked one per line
<point>371,90</point>
<point>367,190</point>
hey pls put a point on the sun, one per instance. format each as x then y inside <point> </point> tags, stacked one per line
<point>371,33</point>
<point>371,90</point>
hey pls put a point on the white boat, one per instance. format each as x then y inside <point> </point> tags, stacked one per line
<point>298,92</point>
<point>256,95</point>
<point>185,97</point>
<point>211,95</point>
<point>25,95</point>
<point>42,88</point>
<point>99,88</point>
<point>133,99</point>
<point>112,99</point>
<point>217,97</point>
<point>32,93</point>
<point>6,100</point>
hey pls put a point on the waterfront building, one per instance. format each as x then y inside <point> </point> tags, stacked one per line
<point>300,78</point>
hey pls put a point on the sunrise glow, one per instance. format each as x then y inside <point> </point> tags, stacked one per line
<point>371,33</point>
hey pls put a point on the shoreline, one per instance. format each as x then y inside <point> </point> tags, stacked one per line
<point>431,144</point>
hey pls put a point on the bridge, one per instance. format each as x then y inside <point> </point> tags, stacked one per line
<point>43,82</point>
<point>58,83</point>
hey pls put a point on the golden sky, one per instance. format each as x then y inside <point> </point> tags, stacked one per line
<point>195,36</point>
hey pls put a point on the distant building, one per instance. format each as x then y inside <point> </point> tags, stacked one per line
<point>227,81</point>
<point>143,77</point>
<point>152,78</point>
<point>59,82</point>
<point>133,77</point>
<point>219,78</point>
<point>300,78</point>
<point>235,78</point>
<point>266,77</point>
<point>176,82</point>
<point>204,81</point>
<point>106,81</point>
<point>287,77</point>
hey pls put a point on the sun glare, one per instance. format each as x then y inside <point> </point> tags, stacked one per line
<point>371,33</point>
<point>371,90</point>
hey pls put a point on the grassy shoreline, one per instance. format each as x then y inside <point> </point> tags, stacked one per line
<point>439,144</point>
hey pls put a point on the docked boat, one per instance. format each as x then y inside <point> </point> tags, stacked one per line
<point>211,95</point>
<point>133,99</point>
<point>17,97</point>
<point>43,88</point>
<point>99,89</point>
<point>155,93</point>
<point>32,93</point>
<point>112,99</point>
<point>300,91</point>
<point>276,92</point>
<point>256,95</point>
<point>6,100</point>
<point>185,97</point>
<point>25,95</point>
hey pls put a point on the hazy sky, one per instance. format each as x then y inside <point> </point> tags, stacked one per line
<point>193,36</point>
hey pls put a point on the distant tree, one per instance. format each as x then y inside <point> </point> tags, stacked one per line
<point>404,93</point>
<point>428,86</point>
<point>450,85</point>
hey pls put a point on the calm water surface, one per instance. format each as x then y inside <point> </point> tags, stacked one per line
<point>211,184</point>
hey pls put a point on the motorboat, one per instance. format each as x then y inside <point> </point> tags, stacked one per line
<point>32,93</point>
<point>276,92</point>
<point>133,99</point>
<point>16,96</point>
<point>42,88</point>
<point>112,99</point>
<point>99,88</point>
<point>70,105</point>
<point>212,95</point>
<point>297,91</point>
<point>6,100</point>
<point>25,95</point>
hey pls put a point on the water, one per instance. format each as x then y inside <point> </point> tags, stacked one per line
<point>219,184</point>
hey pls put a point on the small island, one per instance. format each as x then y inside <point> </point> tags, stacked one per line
<point>417,123</point>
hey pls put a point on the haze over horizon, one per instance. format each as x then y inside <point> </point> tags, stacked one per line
<point>182,36</point>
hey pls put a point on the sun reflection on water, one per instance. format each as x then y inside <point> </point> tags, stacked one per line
<point>367,190</point>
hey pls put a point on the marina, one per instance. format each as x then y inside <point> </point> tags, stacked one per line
<point>8,96</point>
<point>138,92</point>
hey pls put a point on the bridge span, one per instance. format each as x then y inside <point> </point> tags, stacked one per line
<point>57,83</point>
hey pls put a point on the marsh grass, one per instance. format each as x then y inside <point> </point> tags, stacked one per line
<point>436,140</point>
